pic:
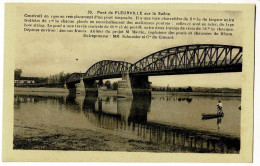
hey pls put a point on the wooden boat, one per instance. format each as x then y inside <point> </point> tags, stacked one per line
<point>211,116</point>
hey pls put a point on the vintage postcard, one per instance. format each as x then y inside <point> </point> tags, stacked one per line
<point>128,82</point>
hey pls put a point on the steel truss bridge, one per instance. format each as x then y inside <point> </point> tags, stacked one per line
<point>187,59</point>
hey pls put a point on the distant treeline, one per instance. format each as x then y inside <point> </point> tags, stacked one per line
<point>172,89</point>
<point>196,89</point>
<point>55,81</point>
<point>110,86</point>
<point>36,85</point>
<point>216,90</point>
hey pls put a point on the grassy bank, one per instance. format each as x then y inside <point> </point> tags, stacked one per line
<point>63,138</point>
<point>41,89</point>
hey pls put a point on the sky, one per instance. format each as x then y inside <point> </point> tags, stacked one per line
<point>44,54</point>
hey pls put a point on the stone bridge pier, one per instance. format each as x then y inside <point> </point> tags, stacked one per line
<point>91,87</point>
<point>133,86</point>
<point>71,87</point>
<point>129,86</point>
<point>85,87</point>
<point>76,87</point>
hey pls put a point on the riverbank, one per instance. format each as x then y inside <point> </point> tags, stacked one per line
<point>61,138</point>
<point>65,91</point>
<point>41,89</point>
<point>64,138</point>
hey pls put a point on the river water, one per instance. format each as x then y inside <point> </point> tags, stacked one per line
<point>163,119</point>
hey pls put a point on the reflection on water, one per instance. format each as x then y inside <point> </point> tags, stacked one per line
<point>169,120</point>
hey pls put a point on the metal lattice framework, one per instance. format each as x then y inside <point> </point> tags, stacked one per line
<point>107,67</point>
<point>103,68</point>
<point>189,57</point>
<point>74,77</point>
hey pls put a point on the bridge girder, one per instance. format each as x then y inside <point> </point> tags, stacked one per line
<point>74,78</point>
<point>187,57</point>
<point>107,67</point>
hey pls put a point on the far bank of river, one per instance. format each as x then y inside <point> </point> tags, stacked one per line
<point>65,91</point>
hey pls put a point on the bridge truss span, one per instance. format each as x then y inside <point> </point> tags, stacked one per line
<point>186,59</point>
<point>190,57</point>
<point>74,78</point>
<point>107,68</point>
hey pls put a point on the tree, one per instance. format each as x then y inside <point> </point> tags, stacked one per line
<point>108,84</point>
<point>61,78</point>
<point>58,79</point>
<point>17,73</point>
<point>189,89</point>
<point>115,86</point>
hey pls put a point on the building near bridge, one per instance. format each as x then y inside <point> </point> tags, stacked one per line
<point>25,81</point>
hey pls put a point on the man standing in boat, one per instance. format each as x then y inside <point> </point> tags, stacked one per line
<point>219,107</point>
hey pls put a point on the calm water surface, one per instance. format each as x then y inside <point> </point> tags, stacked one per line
<point>162,119</point>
